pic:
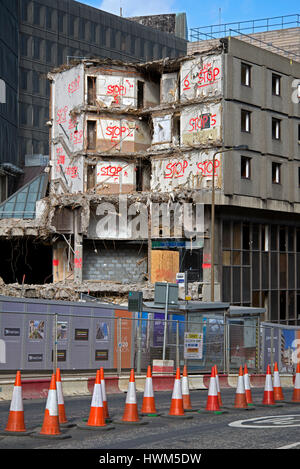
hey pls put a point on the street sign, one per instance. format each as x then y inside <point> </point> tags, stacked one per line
<point>193,345</point>
<point>135,301</point>
<point>161,293</point>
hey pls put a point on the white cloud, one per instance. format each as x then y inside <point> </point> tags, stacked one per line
<point>135,8</point>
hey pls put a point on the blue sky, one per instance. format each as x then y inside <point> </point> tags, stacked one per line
<point>200,13</point>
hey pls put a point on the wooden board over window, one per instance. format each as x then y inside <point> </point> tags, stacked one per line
<point>164,266</point>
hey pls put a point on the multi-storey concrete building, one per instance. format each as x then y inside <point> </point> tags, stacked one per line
<point>127,136</point>
<point>37,35</point>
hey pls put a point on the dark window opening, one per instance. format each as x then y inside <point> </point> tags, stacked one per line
<point>91,135</point>
<point>245,167</point>
<point>21,261</point>
<point>245,121</point>
<point>140,94</point>
<point>276,173</point>
<point>91,85</point>
<point>91,176</point>
<point>191,261</point>
<point>176,130</point>
<point>275,129</point>
<point>275,85</point>
<point>246,74</point>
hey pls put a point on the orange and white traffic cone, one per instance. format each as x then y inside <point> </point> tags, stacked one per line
<point>240,395</point>
<point>296,392</point>
<point>131,410</point>
<point>218,387</point>
<point>148,406</point>
<point>176,408</point>
<point>247,386</point>
<point>278,394</point>
<point>51,420</point>
<point>96,416</point>
<point>186,398</point>
<point>60,399</point>
<point>103,389</point>
<point>268,398</point>
<point>16,423</point>
<point>212,399</point>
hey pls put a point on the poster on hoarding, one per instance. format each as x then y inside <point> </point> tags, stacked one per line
<point>193,345</point>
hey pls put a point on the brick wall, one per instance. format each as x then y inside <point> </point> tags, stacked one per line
<point>123,262</point>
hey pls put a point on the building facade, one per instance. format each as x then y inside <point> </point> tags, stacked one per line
<point>41,34</point>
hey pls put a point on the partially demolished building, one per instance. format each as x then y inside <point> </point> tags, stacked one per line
<point>132,148</point>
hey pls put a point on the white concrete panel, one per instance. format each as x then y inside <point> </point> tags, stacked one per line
<point>201,77</point>
<point>195,171</point>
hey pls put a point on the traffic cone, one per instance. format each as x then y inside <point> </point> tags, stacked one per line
<point>131,410</point>
<point>148,406</point>
<point>15,421</point>
<point>240,395</point>
<point>186,399</point>
<point>212,399</point>
<point>105,407</point>
<point>176,408</point>
<point>296,392</point>
<point>247,386</point>
<point>278,394</point>
<point>96,417</point>
<point>268,398</point>
<point>218,387</point>
<point>51,419</point>
<point>60,399</point>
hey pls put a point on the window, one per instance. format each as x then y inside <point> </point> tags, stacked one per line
<point>48,17</point>
<point>71,25</point>
<point>176,130</point>
<point>35,82</point>
<point>276,173</point>
<point>275,85</point>
<point>36,14</point>
<point>36,47</point>
<point>245,121</point>
<point>299,133</point>
<point>93,32</point>
<point>140,94</point>
<point>23,78</point>
<point>24,44</point>
<point>91,85</point>
<point>245,167</point>
<point>48,52</point>
<point>81,28</point>
<point>275,129</point>
<point>91,135</point>
<point>60,21</point>
<point>246,74</point>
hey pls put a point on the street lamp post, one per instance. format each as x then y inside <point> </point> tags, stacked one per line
<point>212,229</point>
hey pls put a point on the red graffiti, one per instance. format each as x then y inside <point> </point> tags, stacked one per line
<point>111,171</point>
<point>76,137</point>
<point>72,171</point>
<point>74,85</point>
<point>72,123</point>
<point>186,84</point>
<point>77,260</point>
<point>206,167</point>
<point>207,75</point>
<point>205,121</point>
<point>114,132</point>
<point>60,157</point>
<point>175,170</point>
<point>116,90</point>
<point>61,115</point>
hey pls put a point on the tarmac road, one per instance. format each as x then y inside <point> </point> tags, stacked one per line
<point>203,431</point>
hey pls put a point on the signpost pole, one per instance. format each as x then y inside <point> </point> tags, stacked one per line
<point>177,345</point>
<point>139,346</point>
<point>165,325</point>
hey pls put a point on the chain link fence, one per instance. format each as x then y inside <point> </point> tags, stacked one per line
<point>119,340</point>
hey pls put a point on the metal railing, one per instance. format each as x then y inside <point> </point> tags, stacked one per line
<point>216,31</point>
